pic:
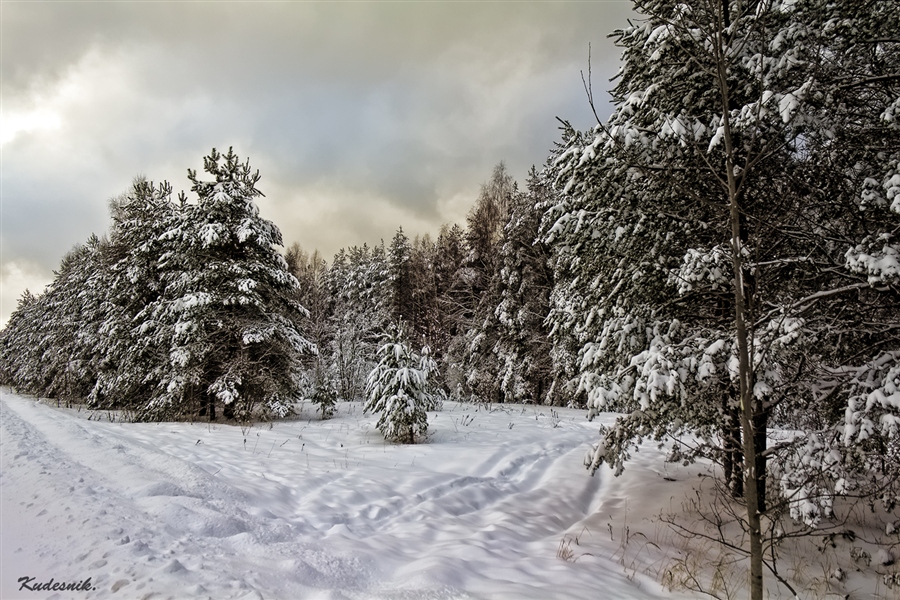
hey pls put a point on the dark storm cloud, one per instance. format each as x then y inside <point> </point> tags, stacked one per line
<point>360,116</point>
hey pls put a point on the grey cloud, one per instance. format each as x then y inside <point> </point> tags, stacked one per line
<point>365,116</point>
<point>248,41</point>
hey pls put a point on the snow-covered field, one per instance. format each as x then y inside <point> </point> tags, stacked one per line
<point>489,506</point>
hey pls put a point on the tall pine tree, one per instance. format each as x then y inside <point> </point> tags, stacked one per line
<point>229,312</point>
<point>705,266</point>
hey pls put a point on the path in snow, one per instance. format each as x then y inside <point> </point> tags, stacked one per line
<point>312,509</point>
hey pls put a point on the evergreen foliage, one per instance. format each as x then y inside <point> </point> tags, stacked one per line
<point>50,345</point>
<point>645,213</point>
<point>400,268</point>
<point>359,286</point>
<point>397,389</point>
<point>325,395</point>
<point>229,310</point>
<point>481,272</point>
<point>187,306</point>
<point>139,217</point>
<point>719,256</point>
<point>525,280</point>
<point>318,380</point>
<point>712,233</point>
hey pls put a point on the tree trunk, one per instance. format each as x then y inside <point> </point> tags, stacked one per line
<point>760,429</point>
<point>749,437</point>
<point>733,461</point>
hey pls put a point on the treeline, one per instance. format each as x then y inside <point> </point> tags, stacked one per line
<point>477,297</point>
<point>186,307</point>
<point>187,310</point>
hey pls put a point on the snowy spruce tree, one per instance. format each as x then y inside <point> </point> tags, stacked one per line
<point>139,217</point>
<point>400,269</point>
<point>424,316</point>
<point>397,389</point>
<point>854,158</point>
<point>50,347</point>
<point>481,272</point>
<point>711,235</point>
<point>523,346</point>
<point>319,381</point>
<point>359,286</point>
<point>229,315</point>
<point>450,295</point>
<point>565,301</point>
<point>325,394</point>
<point>17,339</point>
<point>429,368</point>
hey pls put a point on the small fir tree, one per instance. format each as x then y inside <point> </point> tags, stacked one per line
<point>325,395</point>
<point>429,368</point>
<point>397,389</point>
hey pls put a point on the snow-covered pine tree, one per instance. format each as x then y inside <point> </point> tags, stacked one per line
<point>359,286</point>
<point>525,280</point>
<point>424,317</point>
<point>397,390</point>
<point>481,270</point>
<point>16,340</point>
<point>15,348</point>
<point>23,343</point>
<point>450,303</point>
<point>229,312</point>
<point>50,346</point>
<point>852,168</point>
<point>93,289</point>
<point>130,356</point>
<point>429,368</point>
<point>399,267</point>
<point>325,394</point>
<point>567,302</point>
<point>61,357</point>
<point>311,271</point>
<point>704,267</point>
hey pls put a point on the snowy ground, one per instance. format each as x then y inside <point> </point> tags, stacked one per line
<point>488,507</point>
<point>495,504</point>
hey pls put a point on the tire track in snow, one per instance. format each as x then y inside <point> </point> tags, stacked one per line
<point>490,504</point>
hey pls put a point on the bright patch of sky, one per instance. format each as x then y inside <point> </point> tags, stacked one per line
<point>14,124</point>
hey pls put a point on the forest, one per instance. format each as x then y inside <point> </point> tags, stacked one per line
<point>187,310</point>
<point>718,262</point>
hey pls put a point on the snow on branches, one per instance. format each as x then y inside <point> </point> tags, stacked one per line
<point>770,128</point>
<point>397,389</point>
<point>186,306</point>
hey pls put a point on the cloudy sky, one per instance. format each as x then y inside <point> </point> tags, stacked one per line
<point>360,116</point>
